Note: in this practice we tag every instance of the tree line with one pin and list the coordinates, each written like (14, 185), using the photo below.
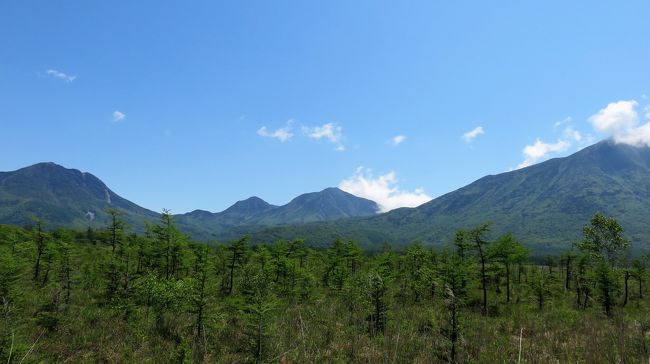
(170, 299)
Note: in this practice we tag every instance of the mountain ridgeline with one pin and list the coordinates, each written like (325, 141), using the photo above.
(69, 198)
(544, 205)
(253, 213)
(61, 197)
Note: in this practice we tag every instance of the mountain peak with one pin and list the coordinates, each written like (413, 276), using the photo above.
(60, 196)
(328, 204)
(45, 166)
(251, 205)
(334, 191)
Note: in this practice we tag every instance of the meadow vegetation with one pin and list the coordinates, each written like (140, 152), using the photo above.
(114, 296)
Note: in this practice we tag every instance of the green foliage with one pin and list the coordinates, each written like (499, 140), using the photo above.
(259, 303)
(288, 302)
(603, 238)
(604, 246)
(541, 284)
(542, 205)
(607, 284)
(507, 251)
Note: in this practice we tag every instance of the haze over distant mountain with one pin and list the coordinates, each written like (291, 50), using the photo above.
(68, 197)
(545, 205)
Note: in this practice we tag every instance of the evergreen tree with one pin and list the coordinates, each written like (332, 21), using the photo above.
(237, 252)
(507, 251)
(65, 269)
(338, 255)
(171, 244)
(476, 237)
(377, 291)
(540, 284)
(115, 228)
(639, 271)
(419, 271)
(39, 237)
(455, 271)
(200, 290)
(259, 303)
(604, 244)
(568, 260)
(10, 291)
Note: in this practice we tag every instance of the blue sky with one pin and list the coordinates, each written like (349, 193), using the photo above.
(187, 105)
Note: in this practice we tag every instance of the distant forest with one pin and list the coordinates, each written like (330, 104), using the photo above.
(111, 295)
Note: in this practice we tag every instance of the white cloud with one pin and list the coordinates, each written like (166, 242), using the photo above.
(472, 134)
(398, 139)
(539, 150)
(572, 134)
(566, 120)
(60, 75)
(621, 121)
(384, 190)
(282, 134)
(118, 116)
(330, 132)
(616, 117)
(638, 137)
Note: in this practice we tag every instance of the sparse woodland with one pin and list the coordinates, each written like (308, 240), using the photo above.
(113, 296)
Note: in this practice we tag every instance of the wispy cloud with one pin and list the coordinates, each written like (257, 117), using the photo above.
(331, 132)
(566, 120)
(60, 75)
(572, 134)
(384, 190)
(282, 134)
(472, 134)
(539, 150)
(118, 116)
(398, 139)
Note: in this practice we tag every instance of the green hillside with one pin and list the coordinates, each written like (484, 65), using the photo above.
(247, 215)
(543, 204)
(65, 197)
(62, 198)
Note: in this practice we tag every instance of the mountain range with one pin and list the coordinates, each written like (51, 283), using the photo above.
(545, 205)
(327, 205)
(68, 197)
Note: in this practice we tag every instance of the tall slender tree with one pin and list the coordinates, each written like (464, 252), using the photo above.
(455, 271)
(507, 251)
(115, 228)
(237, 250)
(172, 242)
(377, 290)
(639, 270)
(477, 238)
(39, 237)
